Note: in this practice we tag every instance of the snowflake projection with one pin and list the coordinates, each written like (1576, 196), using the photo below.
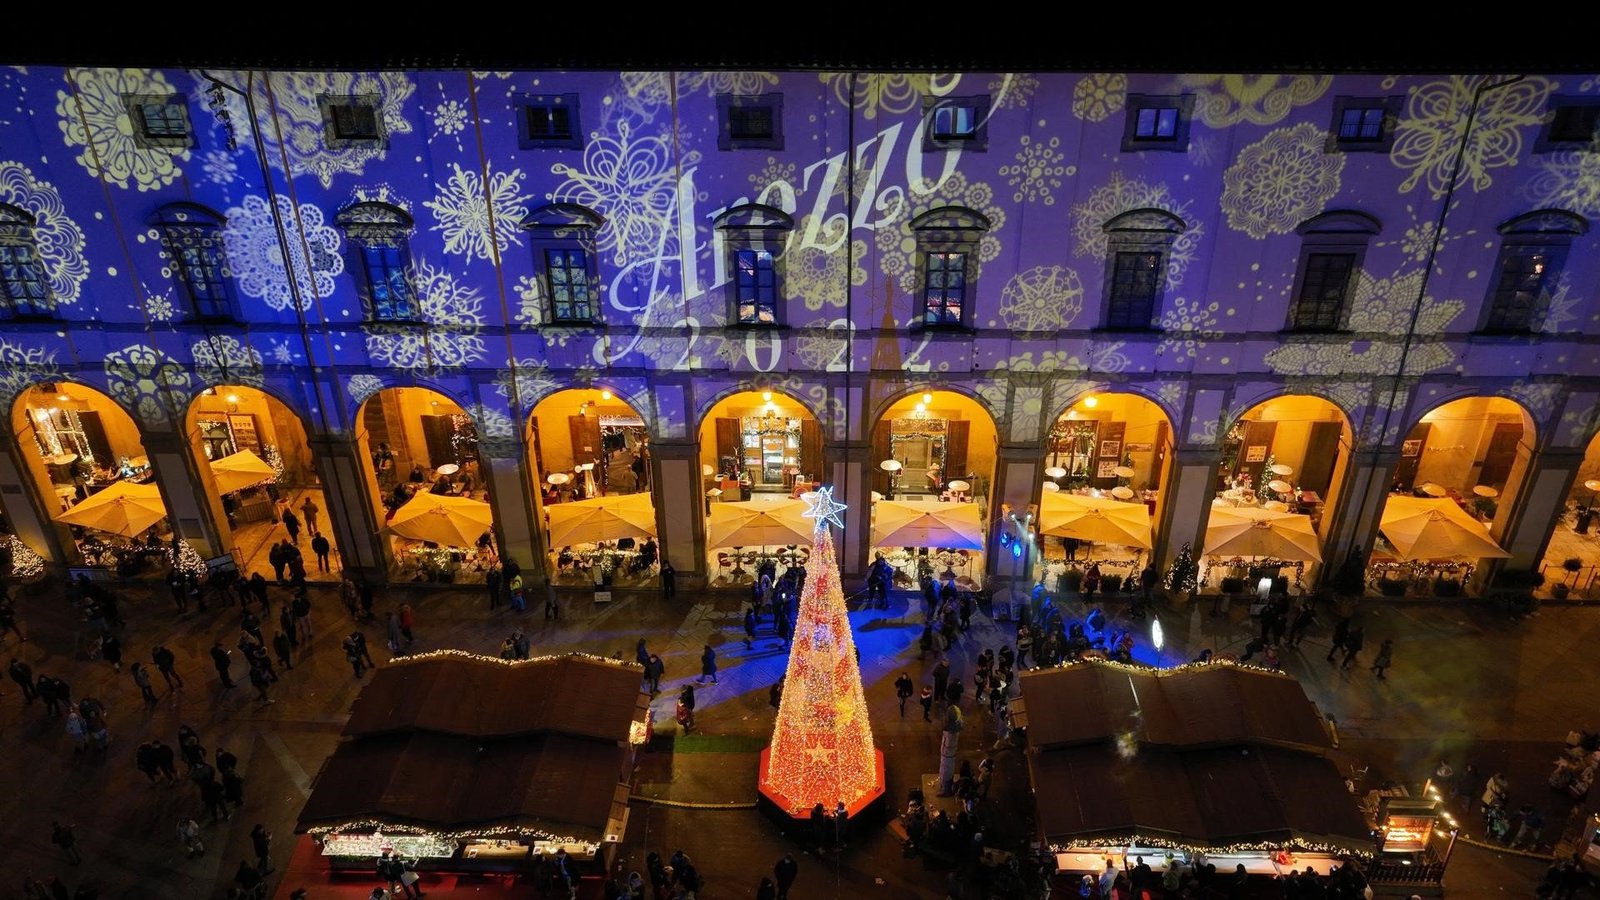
(379, 193)
(450, 117)
(21, 368)
(530, 380)
(530, 299)
(1428, 136)
(491, 423)
(95, 117)
(462, 210)
(630, 179)
(219, 167)
(255, 254)
(1170, 394)
(453, 312)
(221, 359)
(1569, 179)
(1012, 90)
(1099, 96)
(1189, 325)
(1380, 307)
(1558, 307)
(897, 243)
(1540, 397)
(1345, 394)
(147, 381)
(158, 307)
(57, 240)
(1225, 100)
(817, 275)
(819, 346)
(1210, 432)
(649, 93)
(888, 93)
(362, 387)
(1027, 409)
(298, 99)
(1120, 195)
(1038, 171)
(1580, 424)
(281, 354)
(1042, 299)
(1280, 181)
(774, 172)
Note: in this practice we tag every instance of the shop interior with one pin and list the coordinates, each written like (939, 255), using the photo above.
(1572, 558)
(590, 454)
(934, 458)
(427, 486)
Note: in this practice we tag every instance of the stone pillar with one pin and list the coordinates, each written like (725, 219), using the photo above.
(27, 510)
(1187, 508)
(357, 529)
(502, 461)
(192, 506)
(678, 491)
(1359, 506)
(852, 485)
(1530, 514)
(1018, 480)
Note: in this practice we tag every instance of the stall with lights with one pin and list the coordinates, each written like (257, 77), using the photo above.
(468, 763)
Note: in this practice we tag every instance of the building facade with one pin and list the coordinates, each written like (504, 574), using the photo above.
(1374, 280)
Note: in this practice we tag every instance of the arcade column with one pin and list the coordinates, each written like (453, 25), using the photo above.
(1537, 505)
(678, 491)
(190, 506)
(1359, 507)
(29, 513)
(502, 460)
(1187, 510)
(1018, 477)
(851, 477)
(357, 530)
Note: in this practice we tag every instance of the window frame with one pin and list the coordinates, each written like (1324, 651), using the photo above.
(334, 138)
(727, 103)
(1550, 231)
(208, 227)
(567, 228)
(976, 142)
(1390, 105)
(946, 230)
(527, 140)
(754, 227)
(1137, 103)
(17, 231)
(1546, 142)
(142, 137)
(1138, 232)
(1335, 233)
(373, 227)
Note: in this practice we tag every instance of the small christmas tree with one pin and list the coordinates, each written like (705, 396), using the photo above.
(1262, 491)
(1182, 574)
(822, 749)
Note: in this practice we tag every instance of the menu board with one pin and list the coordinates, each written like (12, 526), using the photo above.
(243, 426)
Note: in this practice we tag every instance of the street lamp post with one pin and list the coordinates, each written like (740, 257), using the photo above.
(1158, 637)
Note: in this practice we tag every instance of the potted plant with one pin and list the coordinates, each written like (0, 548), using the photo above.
(1393, 587)
(1446, 587)
(1232, 586)
(1111, 583)
(1072, 579)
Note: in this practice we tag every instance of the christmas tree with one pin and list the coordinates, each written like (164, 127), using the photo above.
(1181, 577)
(822, 750)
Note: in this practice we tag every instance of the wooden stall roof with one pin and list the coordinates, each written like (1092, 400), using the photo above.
(484, 697)
(1201, 706)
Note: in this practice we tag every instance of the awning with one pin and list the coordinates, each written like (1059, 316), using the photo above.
(601, 519)
(926, 523)
(1098, 520)
(1435, 528)
(239, 471)
(759, 523)
(1250, 531)
(123, 508)
(442, 519)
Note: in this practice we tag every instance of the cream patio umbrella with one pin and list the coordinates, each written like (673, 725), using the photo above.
(1257, 532)
(1435, 528)
(926, 523)
(756, 523)
(1097, 520)
(601, 519)
(123, 508)
(238, 471)
(442, 519)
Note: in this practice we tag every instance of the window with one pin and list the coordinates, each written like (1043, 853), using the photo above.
(192, 236)
(754, 236)
(351, 121)
(1138, 244)
(23, 280)
(1571, 124)
(955, 123)
(1332, 249)
(1363, 124)
(1157, 122)
(160, 120)
(549, 121)
(379, 234)
(1532, 258)
(563, 239)
(947, 242)
(753, 122)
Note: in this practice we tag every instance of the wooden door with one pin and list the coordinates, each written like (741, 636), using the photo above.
(729, 445)
(880, 452)
(585, 431)
(94, 432)
(1405, 474)
(1322, 454)
(1256, 434)
(1502, 452)
(1108, 449)
(437, 432)
(955, 449)
(811, 461)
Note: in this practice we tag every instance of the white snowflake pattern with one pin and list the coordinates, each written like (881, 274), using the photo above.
(158, 307)
(57, 240)
(453, 312)
(1540, 397)
(255, 254)
(462, 210)
(220, 167)
(531, 379)
(1189, 325)
(491, 423)
(530, 300)
(22, 367)
(631, 180)
(221, 359)
(147, 381)
(281, 353)
(1041, 299)
(362, 387)
(450, 117)
(1120, 195)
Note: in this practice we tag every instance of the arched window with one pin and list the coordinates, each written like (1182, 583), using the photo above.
(23, 280)
(563, 239)
(1533, 255)
(192, 235)
(947, 244)
(1334, 246)
(755, 235)
(380, 234)
(1137, 244)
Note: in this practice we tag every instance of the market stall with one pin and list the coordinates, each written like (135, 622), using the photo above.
(754, 531)
(116, 528)
(600, 538)
(441, 535)
(1249, 544)
(947, 535)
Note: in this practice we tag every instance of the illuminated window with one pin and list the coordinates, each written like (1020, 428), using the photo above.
(1572, 123)
(567, 274)
(754, 236)
(159, 120)
(955, 123)
(750, 122)
(947, 240)
(549, 122)
(351, 121)
(755, 287)
(1529, 270)
(563, 240)
(1333, 247)
(1157, 122)
(944, 292)
(1138, 244)
(379, 234)
(23, 279)
(1363, 124)
(192, 237)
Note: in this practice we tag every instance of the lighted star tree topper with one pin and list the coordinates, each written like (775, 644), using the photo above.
(822, 750)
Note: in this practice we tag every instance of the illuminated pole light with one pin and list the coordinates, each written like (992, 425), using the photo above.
(1157, 637)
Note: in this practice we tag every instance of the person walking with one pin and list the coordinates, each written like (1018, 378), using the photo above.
(164, 761)
(219, 658)
(785, 871)
(111, 650)
(653, 672)
(396, 639)
(904, 688)
(259, 680)
(353, 655)
(278, 560)
(1341, 632)
(291, 523)
(926, 700)
(749, 627)
(166, 664)
(22, 674)
(65, 837)
(941, 678)
(669, 581)
(408, 620)
(1352, 645)
(142, 678)
(1384, 658)
(189, 837)
(283, 648)
(309, 510)
(233, 787)
(708, 666)
(491, 583)
(686, 704)
(301, 607)
(321, 547)
(261, 840)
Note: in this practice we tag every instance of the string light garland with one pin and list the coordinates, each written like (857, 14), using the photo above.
(380, 828)
(1142, 669)
(822, 749)
(1120, 844)
(825, 510)
(184, 558)
(24, 562)
(463, 654)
